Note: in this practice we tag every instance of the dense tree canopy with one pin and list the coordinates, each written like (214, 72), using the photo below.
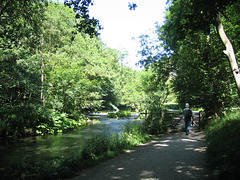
(54, 68)
(55, 71)
(194, 16)
(85, 24)
(192, 56)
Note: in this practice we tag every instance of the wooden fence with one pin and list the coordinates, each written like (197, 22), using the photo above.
(170, 119)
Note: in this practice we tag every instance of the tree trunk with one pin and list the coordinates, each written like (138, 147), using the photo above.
(229, 52)
(42, 79)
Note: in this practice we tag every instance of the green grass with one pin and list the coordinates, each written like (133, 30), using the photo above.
(223, 146)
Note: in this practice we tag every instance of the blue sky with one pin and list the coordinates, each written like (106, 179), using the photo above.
(122, 26)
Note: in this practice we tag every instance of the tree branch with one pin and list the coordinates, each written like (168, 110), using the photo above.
(229, 51)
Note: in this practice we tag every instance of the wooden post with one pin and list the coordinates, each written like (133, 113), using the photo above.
(151, 117)
(145, 118)
(200, 122)
(162, 116)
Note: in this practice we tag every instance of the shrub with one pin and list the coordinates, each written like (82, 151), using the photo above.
(20, 120)
(120, 114)
(112, 115)
(60, 122)
(223, 146)
(123, 113)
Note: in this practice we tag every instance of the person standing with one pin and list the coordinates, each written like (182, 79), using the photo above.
(188, 117)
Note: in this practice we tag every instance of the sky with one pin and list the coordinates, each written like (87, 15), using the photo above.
(122, 26)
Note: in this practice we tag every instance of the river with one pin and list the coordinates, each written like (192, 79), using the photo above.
(56, 145)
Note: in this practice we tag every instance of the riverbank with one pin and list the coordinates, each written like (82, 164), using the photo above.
(174, 156)
(59, 156)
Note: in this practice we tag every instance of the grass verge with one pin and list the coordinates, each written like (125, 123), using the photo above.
(223, 147)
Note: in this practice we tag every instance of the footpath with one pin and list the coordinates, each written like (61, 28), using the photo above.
(171, 157)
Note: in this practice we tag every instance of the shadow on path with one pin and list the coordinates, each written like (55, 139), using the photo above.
(174, 156)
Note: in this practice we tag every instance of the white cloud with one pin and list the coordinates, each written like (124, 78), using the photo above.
(121, 25)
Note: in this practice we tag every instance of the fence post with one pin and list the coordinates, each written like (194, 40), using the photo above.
(200, 121)
(145, 119)
(151, 117)
(162, 116)
(162, 119)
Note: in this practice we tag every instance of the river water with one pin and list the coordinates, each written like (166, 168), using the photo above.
(56, 145)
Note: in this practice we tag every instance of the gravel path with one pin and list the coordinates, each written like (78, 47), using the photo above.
(171, 157)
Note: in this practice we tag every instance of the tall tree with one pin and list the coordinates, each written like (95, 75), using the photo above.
(85, 24)
(199, 15)
(19, 36)
(20, 21)
(194, 50)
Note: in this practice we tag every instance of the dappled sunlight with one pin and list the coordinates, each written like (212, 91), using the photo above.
(146, 173)
(129, 151)
(161, 145)
(202, 149)
(120, 169)
(116, 177)
(165, 141)
(189, 140)
(189, 171)
(173, 156)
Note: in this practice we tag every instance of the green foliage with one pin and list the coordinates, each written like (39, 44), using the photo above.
(155, 92)
(60, 122)
(43, 63)
(120, 114)
(112, 115)
(85, 24)
(131, 89)
(155, 125)
(123, 113)
(20, 23)
(193, 55)
(134, 134)
(223, 144)
(174, 106)
(101, 147)
(19, 81)
(18, 121)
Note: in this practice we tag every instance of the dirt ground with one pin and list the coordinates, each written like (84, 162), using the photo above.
(171, 157)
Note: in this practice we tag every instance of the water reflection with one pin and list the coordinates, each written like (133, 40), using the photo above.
(56, 145)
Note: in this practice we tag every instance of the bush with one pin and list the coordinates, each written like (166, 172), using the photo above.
(120, 114)
(123, 113)
(60, 123)
(112, 115)
(20, 120)
(223, 146)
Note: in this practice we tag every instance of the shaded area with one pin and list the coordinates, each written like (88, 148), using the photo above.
(60, 145)
(170, 157)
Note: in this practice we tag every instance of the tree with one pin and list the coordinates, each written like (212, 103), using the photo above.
(199, 15)
(85, 24)
(19, 36)
(19, 74)
(20, 21)
(201, 76)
